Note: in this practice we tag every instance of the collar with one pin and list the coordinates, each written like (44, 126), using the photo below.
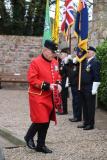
(89, 59)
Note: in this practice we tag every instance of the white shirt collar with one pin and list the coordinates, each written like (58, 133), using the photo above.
(89, 59)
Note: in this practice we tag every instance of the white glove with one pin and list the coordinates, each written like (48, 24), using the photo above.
(95, 87)
(69, 57)
(74, 60)
(65, 60)
(67, 83)
(59, 88)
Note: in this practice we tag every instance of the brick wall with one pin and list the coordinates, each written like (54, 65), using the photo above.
(16, 52)
(99, 24)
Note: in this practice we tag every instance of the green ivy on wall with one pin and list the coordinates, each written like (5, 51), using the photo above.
(102, 56)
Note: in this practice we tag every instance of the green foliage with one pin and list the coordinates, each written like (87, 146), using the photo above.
(102, 56)
(39, 18)
(22, 17)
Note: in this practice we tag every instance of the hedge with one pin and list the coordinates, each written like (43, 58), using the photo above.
(102, 56)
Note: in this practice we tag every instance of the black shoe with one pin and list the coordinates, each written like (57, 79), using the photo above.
(81, 126)
(74, 120)
(43, 149)
(88, 127)
(30, 143)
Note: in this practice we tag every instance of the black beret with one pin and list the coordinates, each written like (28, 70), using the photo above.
(51, 45)
(91, 48)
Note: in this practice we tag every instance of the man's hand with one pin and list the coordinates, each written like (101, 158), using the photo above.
(59, 88)
(52, 85)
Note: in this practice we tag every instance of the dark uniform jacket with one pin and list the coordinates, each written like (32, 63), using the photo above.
(63, 69)
(73, 73)
(90, 73)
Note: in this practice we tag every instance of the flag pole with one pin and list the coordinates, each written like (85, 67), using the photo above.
(70, 39)
(79, 80)
(80, 66)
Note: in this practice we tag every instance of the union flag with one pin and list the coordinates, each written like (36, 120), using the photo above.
(68, 17)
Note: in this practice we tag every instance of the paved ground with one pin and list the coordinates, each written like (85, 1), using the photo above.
(66, 140)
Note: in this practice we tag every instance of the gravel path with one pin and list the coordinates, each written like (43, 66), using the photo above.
(65, 139)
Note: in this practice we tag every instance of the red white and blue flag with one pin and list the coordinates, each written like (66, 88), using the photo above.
(81, 30)
(68, 17)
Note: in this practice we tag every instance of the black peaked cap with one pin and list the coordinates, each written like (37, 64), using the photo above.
(91, 48)
(51, 45)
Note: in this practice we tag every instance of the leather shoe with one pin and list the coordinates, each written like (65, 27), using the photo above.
(74, 120)
(81, 126)
(88, 127)
(43, 149)
(30, 143)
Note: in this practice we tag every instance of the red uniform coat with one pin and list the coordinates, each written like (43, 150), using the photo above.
(41, 106)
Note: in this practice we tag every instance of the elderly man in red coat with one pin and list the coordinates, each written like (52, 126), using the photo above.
(43, 76)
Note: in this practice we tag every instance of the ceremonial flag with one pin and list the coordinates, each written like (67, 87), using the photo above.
(55, 28)
(47, 26)
(81, 30)
(68, 17)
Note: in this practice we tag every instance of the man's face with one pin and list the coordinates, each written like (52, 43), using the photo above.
(63, 55)
(48, 54)
(90, 54)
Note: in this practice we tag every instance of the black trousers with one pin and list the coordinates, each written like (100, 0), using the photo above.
(64, 94)
(87, 100)
(77, 108)
(41, 129)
